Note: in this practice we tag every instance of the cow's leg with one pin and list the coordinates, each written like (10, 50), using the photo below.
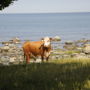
(34, 59)
(47, 58)
(27, 58)
(42, 58)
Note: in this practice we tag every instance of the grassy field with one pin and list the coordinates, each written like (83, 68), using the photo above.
(65, 74)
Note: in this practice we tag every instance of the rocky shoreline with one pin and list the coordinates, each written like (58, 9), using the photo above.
(11, 51)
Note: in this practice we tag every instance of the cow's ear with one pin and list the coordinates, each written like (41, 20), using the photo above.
(51, 39)
(42, 39)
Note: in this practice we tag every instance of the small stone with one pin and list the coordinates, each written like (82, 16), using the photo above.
(5, 48)
(5, 43)
(86, 49)
(15, 40)
(12, 59)
(57, 38)
(5, 60)
(74, 55)
(69, 42)
(66, 56)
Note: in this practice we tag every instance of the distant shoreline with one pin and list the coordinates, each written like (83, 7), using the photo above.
(48, 13)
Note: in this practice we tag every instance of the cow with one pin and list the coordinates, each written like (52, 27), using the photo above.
(37, 48)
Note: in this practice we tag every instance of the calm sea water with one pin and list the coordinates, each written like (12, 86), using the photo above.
(69, 26)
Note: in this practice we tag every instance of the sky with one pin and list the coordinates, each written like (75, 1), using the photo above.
(48, 6)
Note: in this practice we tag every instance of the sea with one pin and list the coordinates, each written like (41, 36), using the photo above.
(34, 26)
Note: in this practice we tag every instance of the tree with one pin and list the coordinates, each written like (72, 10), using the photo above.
(5, 3)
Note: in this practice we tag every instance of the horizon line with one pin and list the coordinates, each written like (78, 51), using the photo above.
(45, 12)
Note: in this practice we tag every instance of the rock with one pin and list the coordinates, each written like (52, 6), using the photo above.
(79, 49)
(38, 60)
(5, 43)
(79, 56)
(5, 48)
(11, 53)
(0, 50)
(21, 58)
(66, 56)
(56, 38)
(69, 42)
(12, 45)
(15, 40)
(69, 47)
(88, 56)
(55, 57)
(56, 53)
(5, 60)
(86, 49)
(84, 41)
(12, 59)
(74, 55)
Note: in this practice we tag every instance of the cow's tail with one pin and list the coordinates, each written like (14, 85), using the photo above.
(24, 56)
(24, 53)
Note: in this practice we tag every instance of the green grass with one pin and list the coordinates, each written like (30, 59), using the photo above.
(65, 74)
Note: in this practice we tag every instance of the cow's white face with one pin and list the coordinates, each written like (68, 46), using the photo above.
(46, 41)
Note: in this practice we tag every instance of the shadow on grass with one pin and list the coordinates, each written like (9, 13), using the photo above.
(45, 76)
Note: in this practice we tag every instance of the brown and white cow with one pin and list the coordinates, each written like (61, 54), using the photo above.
(37, 48)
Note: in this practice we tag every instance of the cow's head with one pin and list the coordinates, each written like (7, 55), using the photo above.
(47, 41)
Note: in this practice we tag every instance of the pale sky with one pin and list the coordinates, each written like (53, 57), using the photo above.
(47, 6)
